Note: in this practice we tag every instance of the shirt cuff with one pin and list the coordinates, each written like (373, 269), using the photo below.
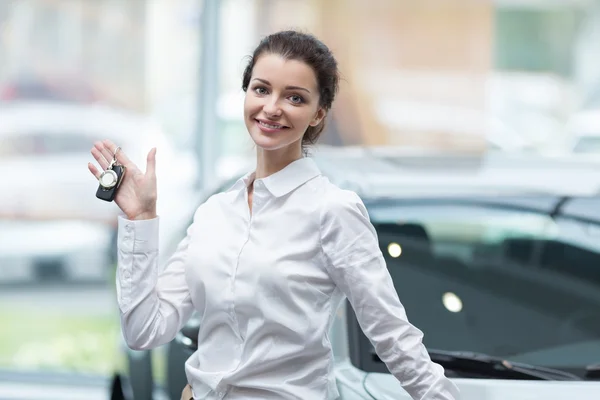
(138, 236)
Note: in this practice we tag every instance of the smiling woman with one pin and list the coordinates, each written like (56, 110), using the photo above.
(267, 262)
(290, 84)
(278, 115)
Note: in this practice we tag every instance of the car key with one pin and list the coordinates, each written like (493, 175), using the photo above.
(110, 180)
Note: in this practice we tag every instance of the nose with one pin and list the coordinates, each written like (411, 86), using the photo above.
(271, 107)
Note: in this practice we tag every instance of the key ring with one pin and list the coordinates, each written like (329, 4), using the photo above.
(114, 160)
(108, 178)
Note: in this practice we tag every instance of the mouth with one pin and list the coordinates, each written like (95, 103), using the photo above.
(269, 125)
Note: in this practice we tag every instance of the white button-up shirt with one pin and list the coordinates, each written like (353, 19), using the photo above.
(266, 285)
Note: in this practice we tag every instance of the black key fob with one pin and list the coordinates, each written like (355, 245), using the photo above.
(109, 182)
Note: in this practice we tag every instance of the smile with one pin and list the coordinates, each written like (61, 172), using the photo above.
(270, 125)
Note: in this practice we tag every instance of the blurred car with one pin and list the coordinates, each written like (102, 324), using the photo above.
(584, 129)
(65, 250)
(60, 88)
(494, 262)
(48, 190)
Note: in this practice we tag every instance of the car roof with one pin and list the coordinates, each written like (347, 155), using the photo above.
(390, 176)
(57, 118)
(394, 172)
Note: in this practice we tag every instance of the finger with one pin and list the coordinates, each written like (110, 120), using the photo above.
(151, 162)
(106, 153)
(94, 170)
(121, 156)
(99, 157)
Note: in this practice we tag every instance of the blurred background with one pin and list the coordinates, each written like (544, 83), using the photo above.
(464, 77)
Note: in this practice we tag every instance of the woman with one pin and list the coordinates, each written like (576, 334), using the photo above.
(267, 263)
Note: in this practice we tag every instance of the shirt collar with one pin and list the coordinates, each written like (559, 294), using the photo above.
(289, 178)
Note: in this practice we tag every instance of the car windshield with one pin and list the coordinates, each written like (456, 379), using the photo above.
(497, 278)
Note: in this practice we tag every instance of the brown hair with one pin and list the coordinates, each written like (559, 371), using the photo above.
(293, 45)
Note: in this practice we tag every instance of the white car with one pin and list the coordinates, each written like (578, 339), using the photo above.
(65, 250)
(48, 209)
(584, 129)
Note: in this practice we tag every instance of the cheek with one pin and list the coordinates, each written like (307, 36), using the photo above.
(302, 117)
(251, 106)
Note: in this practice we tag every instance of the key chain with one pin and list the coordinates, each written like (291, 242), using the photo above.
(110, 179)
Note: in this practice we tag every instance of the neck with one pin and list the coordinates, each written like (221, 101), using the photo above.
(269, 162)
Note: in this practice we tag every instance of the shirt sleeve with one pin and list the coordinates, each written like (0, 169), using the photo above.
(356, 264)
(153, 306)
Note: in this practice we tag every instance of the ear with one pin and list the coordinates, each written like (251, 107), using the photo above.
(321, 113)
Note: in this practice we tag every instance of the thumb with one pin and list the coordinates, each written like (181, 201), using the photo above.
(151, 163)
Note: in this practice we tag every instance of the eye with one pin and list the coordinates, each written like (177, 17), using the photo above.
(260, 90)
(296, 99)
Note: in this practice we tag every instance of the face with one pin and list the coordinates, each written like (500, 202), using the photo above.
(282, 101)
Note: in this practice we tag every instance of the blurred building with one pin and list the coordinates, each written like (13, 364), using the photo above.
(460, 74)
(414, 72)
(75, 46)
(444, 74)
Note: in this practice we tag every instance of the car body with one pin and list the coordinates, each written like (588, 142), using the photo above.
(496, 264)
(45, 147)
(57, 88)
(54, 250)
(584, 130)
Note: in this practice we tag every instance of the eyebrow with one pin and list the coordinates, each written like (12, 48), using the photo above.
(287, 87)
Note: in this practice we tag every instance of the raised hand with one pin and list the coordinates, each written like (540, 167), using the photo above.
(137, 194)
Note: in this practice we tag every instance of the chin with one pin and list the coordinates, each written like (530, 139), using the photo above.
(269, 144)
(272, 142)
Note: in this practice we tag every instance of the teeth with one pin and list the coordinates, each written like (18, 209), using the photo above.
(269, 126)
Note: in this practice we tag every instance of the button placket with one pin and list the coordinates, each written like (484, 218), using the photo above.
(220, 392)
(234, 277)
(258, 193)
